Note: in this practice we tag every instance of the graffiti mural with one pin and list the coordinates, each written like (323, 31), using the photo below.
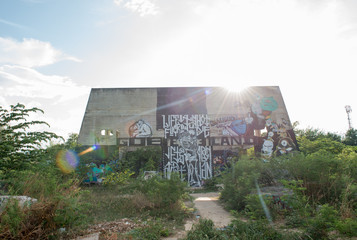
(191, 124)
(234, 126)
(95, 174)
(279, 139)
(185, 155)
(140, 129)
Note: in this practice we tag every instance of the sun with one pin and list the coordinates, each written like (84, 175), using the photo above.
(235, 87)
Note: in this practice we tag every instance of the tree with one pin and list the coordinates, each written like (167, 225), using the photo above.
(19, 145)
(351, 137)
(313, 134)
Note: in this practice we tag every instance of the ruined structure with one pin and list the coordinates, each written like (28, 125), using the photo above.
(198, 128)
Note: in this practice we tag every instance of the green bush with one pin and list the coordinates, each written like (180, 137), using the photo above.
(204, 230)
(239, 230)
(239, 182)
(347, 227)
(142, 159)
(255, 209)
(253, 230)
(117, 178)
(162, 192)
(58, 206)
(12, 218)
(323, 222)
(153, 231)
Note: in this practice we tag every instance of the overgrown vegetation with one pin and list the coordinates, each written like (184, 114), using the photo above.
(312, 191)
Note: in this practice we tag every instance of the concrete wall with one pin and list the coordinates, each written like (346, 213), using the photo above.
(196, 127)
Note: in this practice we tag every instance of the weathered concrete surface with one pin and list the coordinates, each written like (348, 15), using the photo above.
(208, 208)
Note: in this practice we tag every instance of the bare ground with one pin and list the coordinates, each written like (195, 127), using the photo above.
(208, 207)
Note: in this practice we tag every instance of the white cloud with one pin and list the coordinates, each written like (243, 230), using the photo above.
(30, 53)
(142, 7)
(25, 82)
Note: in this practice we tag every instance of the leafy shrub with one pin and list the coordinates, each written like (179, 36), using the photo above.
(204, 230)
(323, 222)
(12, 218)
(153, 231)
(162, 192)
(20, 147)
(211, 184)
(58, 206)
(117, 178)
(255, 209)
(347, 227)
(142, 159)
(252, 230)
(239, 182)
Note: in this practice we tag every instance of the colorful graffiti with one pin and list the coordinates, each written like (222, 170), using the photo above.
(95, 174)
(279, 139)
(140, 129)
(188, 158)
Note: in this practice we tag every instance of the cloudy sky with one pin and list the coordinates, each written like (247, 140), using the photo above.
(53, 51)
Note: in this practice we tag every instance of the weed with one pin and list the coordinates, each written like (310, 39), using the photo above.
(204, 230)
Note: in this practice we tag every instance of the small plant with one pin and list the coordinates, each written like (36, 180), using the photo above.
(324, 221)
(239, 182)
(153, 231)
(11, 218)
(211, 184)
(347, 227)
(204, 230)
(254, 207)
(117, 178)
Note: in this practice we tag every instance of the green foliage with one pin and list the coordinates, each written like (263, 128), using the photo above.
(153, 231)
(323, 222)
(117, 178)
(211, 184)
(19, 146)
(347, 227)
(322, 176)
(12, 217)
(142, 159)
(204, 230)
(58, 206)
(239, 182)
(239, 230)
(351, 137)
(308, 146)
(254, 207)
(313, 134)
(253, 230)
(162, 192)
(155, 197)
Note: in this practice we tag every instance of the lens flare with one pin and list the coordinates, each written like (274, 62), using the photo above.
(67, 161)
(92, 148)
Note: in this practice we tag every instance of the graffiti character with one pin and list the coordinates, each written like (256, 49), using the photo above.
(268, 104)
(285, 146)
(188, 140)
(267, 148)
(140, 129)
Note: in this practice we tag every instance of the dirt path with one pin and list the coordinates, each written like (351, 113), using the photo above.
(207, 208)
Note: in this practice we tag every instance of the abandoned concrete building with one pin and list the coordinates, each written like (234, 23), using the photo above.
(197, 128)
